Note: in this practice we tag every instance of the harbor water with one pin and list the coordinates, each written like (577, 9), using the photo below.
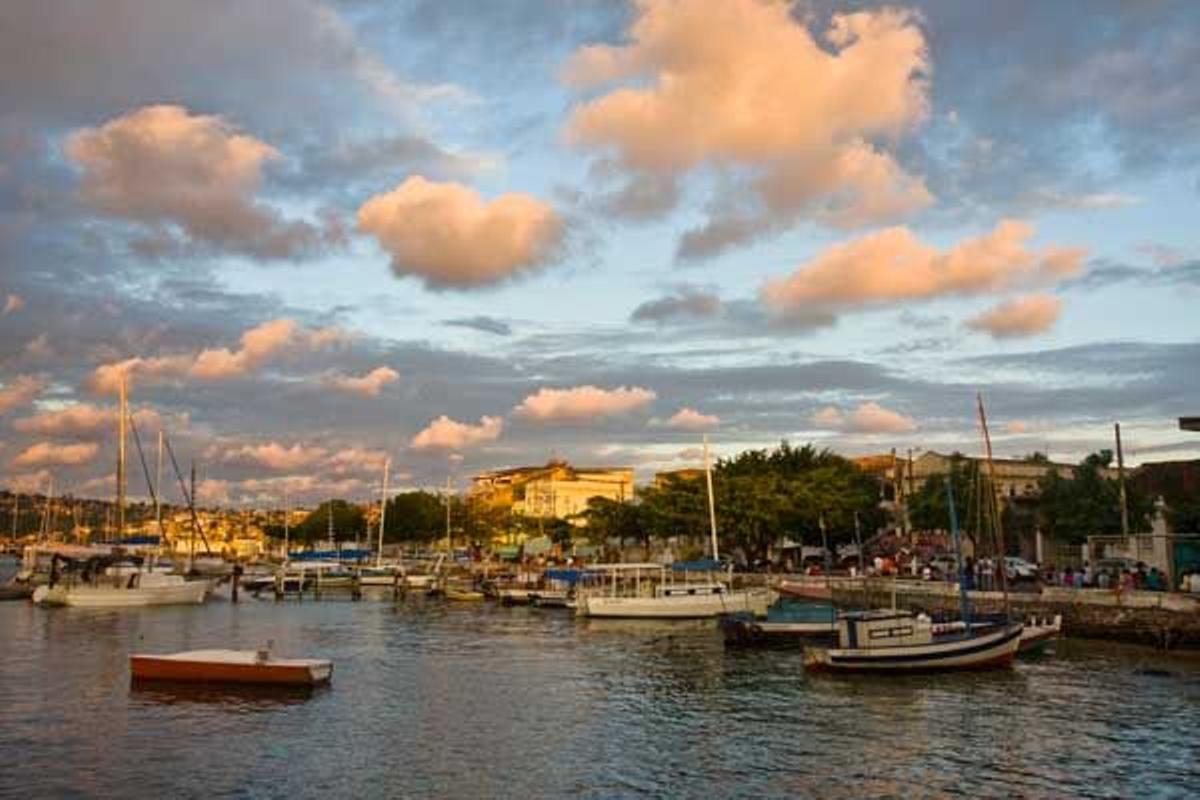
(474, 700)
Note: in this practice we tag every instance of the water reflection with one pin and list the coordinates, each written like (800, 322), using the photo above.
(231, 696)
(477, 701)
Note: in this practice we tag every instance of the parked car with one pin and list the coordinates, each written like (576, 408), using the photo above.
(944, 566)
(1018, 569)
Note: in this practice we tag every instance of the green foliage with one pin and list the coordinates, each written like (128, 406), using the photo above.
(415, 516)
(761, 497)
(929, 507)
(348, 523)
(1088, 504)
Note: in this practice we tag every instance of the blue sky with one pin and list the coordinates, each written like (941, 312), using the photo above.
(558, 225)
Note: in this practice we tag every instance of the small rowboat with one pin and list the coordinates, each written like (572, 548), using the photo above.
(804, 591)
(230, 666)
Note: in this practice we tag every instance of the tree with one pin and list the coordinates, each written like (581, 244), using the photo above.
(349, 522)
(1088, 503)
(415, 516)
(929, 507)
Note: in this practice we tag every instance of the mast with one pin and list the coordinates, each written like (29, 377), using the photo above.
(45, 532)
(387, 462)
(286, 531)
(993, 504)
(1121, 482)
(712, 508)
(158, 492)
(964, 602)
(16, 513)
(448, 541)
(329, 525)
(121, 414)
(192, 545)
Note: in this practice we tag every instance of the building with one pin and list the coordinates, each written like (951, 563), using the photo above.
(554, 491)
(663, 478)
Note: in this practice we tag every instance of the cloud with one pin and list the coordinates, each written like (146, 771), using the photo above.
(369, 385)
(12, 304)
(444, 433)
(19, 391)
(164, 166)
(1023, 316)
(582, 403)
(447, 235)
(1017, 427)
(687, 303)
(273, 455)
(867, 418)
(482, 323)
(82, 419)
(29, 482)
(45, 454)
(893, 266)
(260, 345)
(689, 419)
(357, 460)
(744, 87)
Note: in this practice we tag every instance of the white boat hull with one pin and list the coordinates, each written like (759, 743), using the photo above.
(675, 606)
(185, 593)
(994, 648)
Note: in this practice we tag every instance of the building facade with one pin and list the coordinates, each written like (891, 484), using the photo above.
(554, 491)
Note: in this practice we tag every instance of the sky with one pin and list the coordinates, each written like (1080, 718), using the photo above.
(311, 237)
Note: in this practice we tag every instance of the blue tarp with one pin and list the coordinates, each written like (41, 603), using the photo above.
(571, 576)
(349, 554)
(704, 565)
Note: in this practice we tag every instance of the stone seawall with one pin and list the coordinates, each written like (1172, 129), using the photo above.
(1160, 619)
(1164, 620)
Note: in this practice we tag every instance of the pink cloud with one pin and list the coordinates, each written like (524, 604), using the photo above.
(45, 454)
(261, 345)
(448, 236)
(369, 385)
(29, 482)
(82, 419)
(689, 419)
(39, 347)
(444, 433)
(745, 84)
(356, 459)
(164, 165)
(12, 304)
(582, 403)
(869, 417)
(19, 391)
(273, 455)
(1024, 316)
(893, 266)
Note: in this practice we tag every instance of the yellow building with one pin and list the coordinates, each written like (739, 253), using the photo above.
(554, 491)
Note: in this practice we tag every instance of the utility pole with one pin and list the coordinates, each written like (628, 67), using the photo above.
(1121, 483)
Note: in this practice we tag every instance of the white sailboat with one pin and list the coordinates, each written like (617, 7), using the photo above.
(116, 581)
(631, 592)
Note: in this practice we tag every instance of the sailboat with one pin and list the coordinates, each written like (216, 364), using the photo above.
(116, 580)
(667, 597)
(898, 641)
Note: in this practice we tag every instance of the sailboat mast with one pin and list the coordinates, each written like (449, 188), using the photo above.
(286, 530)
(16, 514)
(158, 491)
(993, 504)
(448, 540)
(712, 508)
(121, 421)
(387, 462)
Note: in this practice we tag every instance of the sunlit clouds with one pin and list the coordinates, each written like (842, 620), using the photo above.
(368, 385)
(582, 403)
(449, 236)
(19, 391)
(444, 433)
(46, 454)
(744, 85)
(868, 418)
(1023, 316)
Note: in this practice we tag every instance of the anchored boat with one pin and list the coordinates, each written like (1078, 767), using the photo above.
(230, 666)
(115, 582)
(898, 641)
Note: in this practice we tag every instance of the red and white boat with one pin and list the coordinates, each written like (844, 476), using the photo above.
(230, 666)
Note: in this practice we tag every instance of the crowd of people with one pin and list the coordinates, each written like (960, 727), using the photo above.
(1139, 578)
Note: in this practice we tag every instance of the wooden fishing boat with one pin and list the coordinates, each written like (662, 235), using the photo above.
(898, 641)
(230, 666)
(1037, 633)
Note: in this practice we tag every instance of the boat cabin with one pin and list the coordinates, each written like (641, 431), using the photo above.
(882, 628)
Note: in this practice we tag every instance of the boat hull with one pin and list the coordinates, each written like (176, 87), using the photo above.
(992, 649)
(229, 667)
(675, 607)
(804, 591)
(186, 593)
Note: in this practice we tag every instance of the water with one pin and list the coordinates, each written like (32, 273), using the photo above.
(431, 699)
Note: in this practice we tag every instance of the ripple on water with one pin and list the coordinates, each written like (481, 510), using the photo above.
(480, 701)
